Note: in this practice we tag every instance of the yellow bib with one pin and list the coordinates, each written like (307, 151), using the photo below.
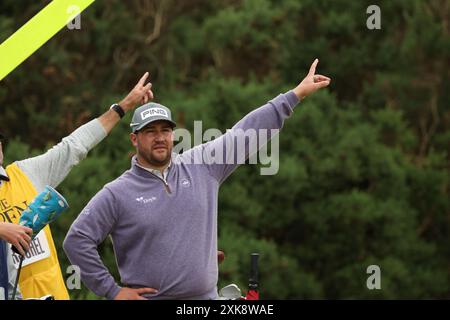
(41, 277)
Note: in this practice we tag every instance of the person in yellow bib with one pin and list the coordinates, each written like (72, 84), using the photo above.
(22, 180)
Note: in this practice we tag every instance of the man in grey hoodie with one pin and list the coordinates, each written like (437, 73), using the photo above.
(162, 212)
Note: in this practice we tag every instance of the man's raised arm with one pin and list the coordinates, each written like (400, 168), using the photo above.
(227, 152)
(53, 166)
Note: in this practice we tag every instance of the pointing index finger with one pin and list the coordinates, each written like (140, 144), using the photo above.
(312, 69)
(143, 78)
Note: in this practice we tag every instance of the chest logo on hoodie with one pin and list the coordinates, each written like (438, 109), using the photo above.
(142, 200)
(185, 183)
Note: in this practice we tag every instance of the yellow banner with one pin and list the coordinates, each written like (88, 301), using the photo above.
(36, 32)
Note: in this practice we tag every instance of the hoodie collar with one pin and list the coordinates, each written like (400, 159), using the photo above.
(135, 166)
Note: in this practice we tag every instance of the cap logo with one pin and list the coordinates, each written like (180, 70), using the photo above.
(154, 112)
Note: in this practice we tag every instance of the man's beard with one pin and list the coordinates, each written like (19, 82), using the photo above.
(150, 159)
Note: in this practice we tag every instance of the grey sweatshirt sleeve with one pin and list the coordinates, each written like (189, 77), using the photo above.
(91, 227)
(245, 138)
(53, 166)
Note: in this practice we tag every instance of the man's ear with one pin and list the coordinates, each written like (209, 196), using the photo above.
(133, 138)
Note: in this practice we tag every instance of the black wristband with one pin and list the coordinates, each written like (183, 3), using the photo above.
(117, 108)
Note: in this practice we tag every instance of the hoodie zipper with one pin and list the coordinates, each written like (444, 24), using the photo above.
(166, 185)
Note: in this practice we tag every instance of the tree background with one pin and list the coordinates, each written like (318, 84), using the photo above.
(364, 165)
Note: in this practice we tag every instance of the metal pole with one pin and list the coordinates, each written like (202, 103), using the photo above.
(17, 278)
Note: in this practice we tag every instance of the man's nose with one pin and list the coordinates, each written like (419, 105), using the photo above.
(159, 136)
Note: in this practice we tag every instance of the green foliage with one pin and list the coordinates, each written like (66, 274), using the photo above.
(363, 168)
